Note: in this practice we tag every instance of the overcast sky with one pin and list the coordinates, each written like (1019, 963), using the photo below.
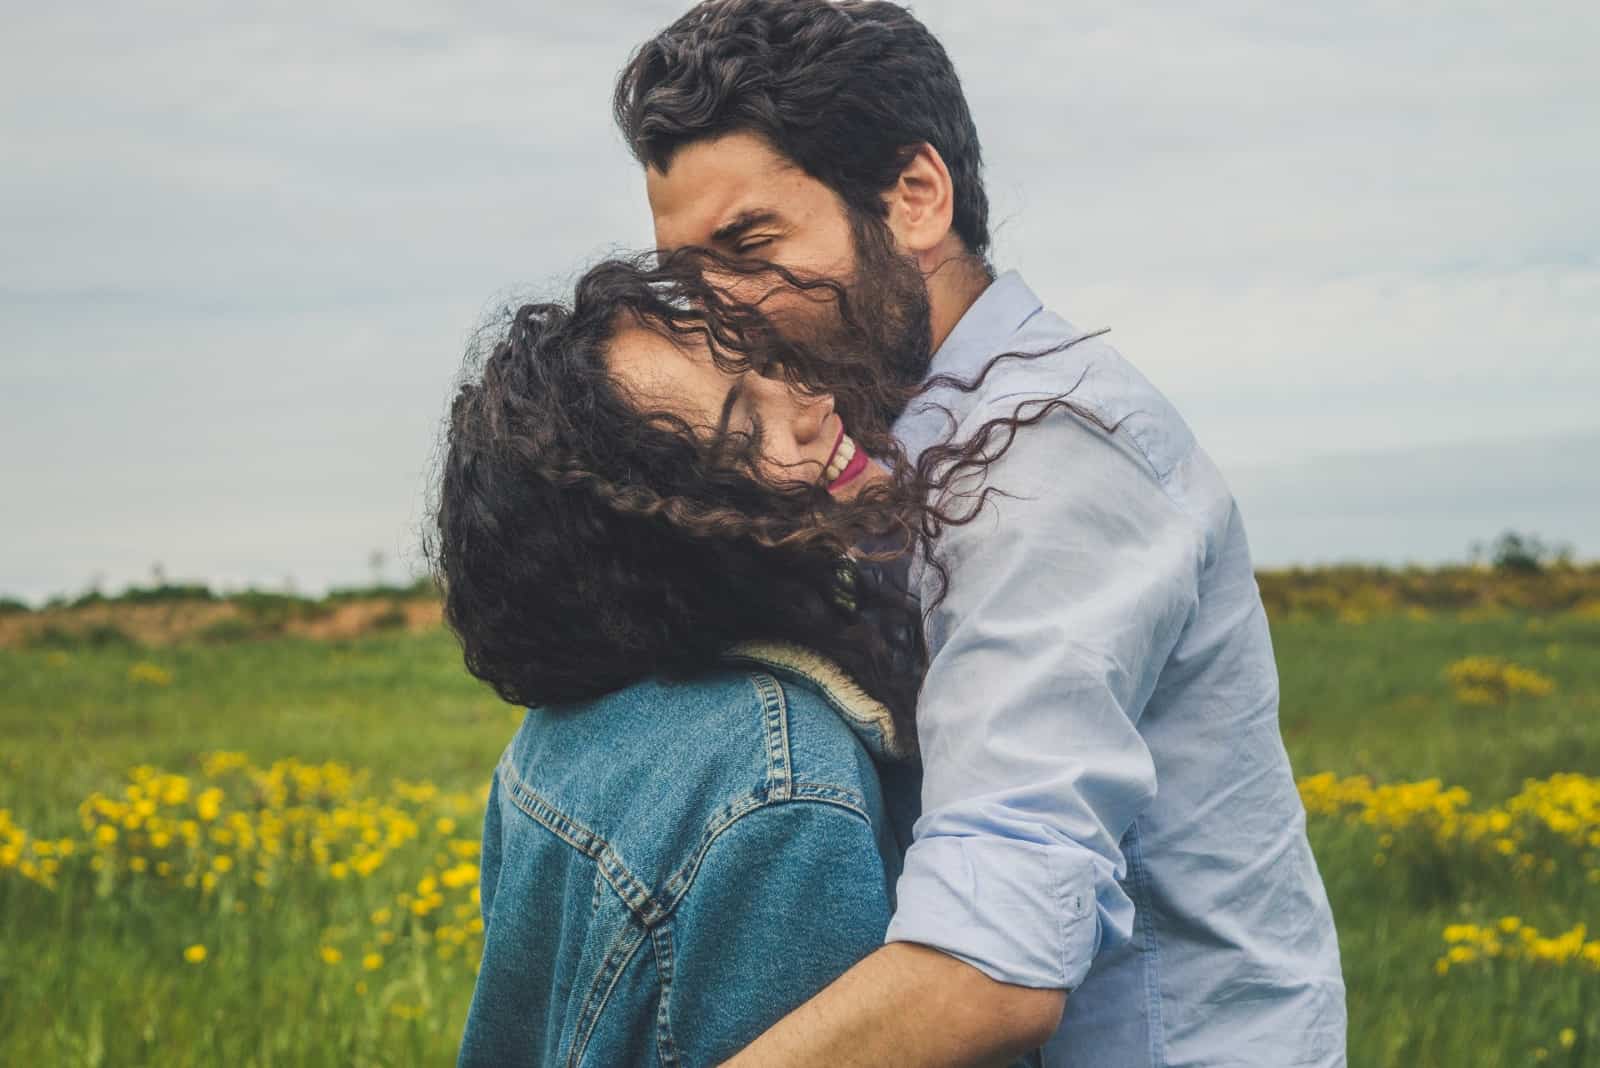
(243, 253)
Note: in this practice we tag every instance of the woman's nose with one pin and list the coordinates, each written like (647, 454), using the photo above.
(811, 415)
(806, 414)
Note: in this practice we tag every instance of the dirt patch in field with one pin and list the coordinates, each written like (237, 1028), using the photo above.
(221, 620)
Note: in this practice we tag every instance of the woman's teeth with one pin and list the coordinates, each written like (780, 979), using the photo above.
(841, 459)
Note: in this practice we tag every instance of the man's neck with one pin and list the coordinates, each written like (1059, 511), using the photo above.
(953, 287)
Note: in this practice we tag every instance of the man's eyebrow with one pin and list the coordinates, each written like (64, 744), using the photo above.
(743, 223)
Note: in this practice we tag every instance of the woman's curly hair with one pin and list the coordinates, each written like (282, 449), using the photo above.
(583, 543)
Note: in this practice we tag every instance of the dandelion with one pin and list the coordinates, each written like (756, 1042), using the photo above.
(1492, 680)
(1568, 1037)
(461, 875)
(372, 961)
(331, 955)
(147, 674)
(208, 806)
(195, 954)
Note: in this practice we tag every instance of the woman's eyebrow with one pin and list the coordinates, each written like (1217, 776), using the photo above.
(735, 391)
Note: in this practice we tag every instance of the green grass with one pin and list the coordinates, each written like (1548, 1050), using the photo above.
(1370, 699)
(90, 979)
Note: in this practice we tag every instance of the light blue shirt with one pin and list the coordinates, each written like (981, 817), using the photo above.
(1108, 808)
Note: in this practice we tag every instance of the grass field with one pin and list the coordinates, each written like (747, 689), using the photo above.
(307, 896)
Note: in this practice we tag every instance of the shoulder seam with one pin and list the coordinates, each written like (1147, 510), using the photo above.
(628, 887)
(801, 793)
(1161, 479)
(804, 794)
(780, 788)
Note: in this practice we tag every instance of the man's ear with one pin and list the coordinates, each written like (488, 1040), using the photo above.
(921, 206)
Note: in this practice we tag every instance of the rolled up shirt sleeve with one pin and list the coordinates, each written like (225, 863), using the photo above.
(1066, 596)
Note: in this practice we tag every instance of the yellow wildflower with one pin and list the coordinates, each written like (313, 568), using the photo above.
(149, 674)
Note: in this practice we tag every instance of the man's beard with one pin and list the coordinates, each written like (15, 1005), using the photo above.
(890, 295)
(877, 342)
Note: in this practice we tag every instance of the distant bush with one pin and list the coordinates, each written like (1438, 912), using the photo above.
(10, 606)
(1355, 593)
(1523, 553)
(226, 631)
(392, 618)
(96, 636)
(422, 587)
(274, 611)
(164, 593)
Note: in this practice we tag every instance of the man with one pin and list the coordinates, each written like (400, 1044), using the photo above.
(1111, 861)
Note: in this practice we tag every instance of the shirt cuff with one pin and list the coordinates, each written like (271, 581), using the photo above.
(1020, 912)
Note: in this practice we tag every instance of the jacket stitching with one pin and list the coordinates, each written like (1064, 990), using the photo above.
(611, 969)
(633, 893)
(617, 958)
(649, 913)
(661, 938)
(867, 717)
(680, 881)
(775, 718)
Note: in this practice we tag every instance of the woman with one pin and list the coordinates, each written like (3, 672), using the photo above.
(657, 531)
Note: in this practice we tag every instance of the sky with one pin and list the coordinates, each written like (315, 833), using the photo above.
(1357, 244)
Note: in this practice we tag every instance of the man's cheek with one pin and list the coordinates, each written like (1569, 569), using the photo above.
(808, 315)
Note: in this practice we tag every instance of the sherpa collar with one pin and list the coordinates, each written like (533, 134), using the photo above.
(868, 717)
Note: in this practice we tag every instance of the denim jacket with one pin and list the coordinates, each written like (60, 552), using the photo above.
(669, 870)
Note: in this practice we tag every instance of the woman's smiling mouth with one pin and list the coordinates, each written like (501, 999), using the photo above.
(846, 463)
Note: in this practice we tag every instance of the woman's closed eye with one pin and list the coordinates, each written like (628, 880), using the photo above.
(739, 428)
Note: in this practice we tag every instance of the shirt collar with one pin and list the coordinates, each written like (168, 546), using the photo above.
(980, 334)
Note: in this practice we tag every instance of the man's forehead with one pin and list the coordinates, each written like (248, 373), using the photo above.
(709, 185)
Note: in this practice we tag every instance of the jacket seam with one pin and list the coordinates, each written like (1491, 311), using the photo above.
(808, 793)
(781, 788)
(633, 893)
(775, 723)
(661, 941)
(611, 969)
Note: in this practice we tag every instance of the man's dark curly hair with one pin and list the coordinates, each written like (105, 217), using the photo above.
(846, 89)
(583, 542)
